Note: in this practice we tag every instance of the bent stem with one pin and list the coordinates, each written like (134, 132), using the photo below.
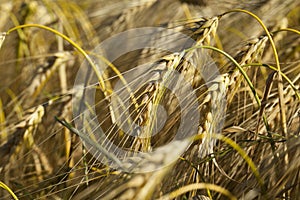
(237, 65)
(243, 73)
(242, 153)
(90, 61)
(280, 84)
(198, 186)
(105, 90)
(5, 187)
(288, 30)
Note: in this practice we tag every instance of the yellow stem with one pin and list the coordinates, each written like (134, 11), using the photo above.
(70, 41)
(280, 84)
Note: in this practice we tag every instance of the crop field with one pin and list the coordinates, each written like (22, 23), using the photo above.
(149, 99)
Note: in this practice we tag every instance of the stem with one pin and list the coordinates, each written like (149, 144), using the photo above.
(288, 30)
(280, 84)
(5, 187)
(240, 151)
(237, 65)
(70, 41)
